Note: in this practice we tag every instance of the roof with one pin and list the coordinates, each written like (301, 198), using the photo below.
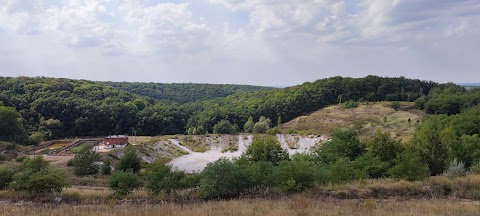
(118, 136)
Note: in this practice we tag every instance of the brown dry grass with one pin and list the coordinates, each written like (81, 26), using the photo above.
(296, 205)
(364, 118)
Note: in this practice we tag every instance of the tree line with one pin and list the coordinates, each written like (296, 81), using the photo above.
(48, 108)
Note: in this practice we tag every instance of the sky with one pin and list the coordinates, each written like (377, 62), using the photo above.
(258, 42)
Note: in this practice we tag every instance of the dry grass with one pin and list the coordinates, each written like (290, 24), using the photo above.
(297, 205)
(364, 118)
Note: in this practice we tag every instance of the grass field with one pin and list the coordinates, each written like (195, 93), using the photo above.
(364, 118)
(296, 205)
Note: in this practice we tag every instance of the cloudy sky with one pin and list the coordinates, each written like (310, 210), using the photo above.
(262, 42)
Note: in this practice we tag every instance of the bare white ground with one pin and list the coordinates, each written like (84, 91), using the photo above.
(197, 161)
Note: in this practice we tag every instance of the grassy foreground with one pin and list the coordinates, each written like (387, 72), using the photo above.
(296, 205)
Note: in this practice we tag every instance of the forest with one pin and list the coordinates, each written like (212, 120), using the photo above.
(40, 108)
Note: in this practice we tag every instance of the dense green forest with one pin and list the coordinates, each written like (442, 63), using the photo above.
(183, 92)
(55, 108)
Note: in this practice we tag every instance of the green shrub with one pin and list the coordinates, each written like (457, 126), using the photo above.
(129, 161)
(409, 166)
(341, 171)
(344, 143)
(20, 159)
(160, 177)
(84, 161)
(36, 164)
(475, 168)
(46, 180)
(3, 157)
(266, 148)
(70, 163)
(420, 102)
(349, 104)
(294, 176)
(106, 169)
(223, 179)
(123, 183)
(370, 166)
(6, 177)
(225, 127)
(262, 125)
(395, 105)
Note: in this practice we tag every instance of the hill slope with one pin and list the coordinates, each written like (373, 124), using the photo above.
(364, 118)
(183, 92)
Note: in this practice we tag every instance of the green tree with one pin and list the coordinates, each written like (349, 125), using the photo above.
(36, 175)
(384, 147)
(248, 127)
(6, 177)
(223, 179)
(84, 162)
(262, 125)
(160, 177)
(296, 175)
(130, 161)
(123, 183)
(11, 128)
(370, 166)
(344, 143)
(409, 166)
(106, 169)
(266, 148)
(224, 127)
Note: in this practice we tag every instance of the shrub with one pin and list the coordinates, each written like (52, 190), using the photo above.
(455, 169)
(420, 102)
(475, 169)
(294, 175)
(36, 164)
(84, 161)
(123, 183)
(129, 161)
(70, 163)
(384, 147)
(395, 105)
(262, 125)
(6, 177)
(266, 148)
(3, 157)
(344, 143)
(409, 166)
(223, 179)
(160, 177)
(248, 127)
(341, 171)
(225, 127)
(370, 166)
(349, 104)
(46, 180)
(106, 169)
(20, 159)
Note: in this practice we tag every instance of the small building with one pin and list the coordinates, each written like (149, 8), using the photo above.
(115, 141)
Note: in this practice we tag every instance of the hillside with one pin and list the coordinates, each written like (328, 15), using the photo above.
(183, 92)
(365, 118)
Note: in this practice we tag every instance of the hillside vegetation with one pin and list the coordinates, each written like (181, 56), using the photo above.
(366, 119)
(183, 92)
(49, 108)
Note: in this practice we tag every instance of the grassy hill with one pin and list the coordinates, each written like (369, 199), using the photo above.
(364, 118)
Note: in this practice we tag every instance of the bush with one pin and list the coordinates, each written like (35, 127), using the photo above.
(223, 179)
(341, 171)
(160, 177)
(370, 166)
(395, 105)
(384, 147)
(455, 169)
(225, 127)
(123, 183)
(106, 169)
(36, 164)
(409, 166)
(129, 161)
(266, 148)
(420, 102)
(262, 125)
(344, 143)
(475, 169)
(294, 176)
(70, 163)
(349, 104)
(3, 157)
(46, 180)
(6, 177)
(84, 161)
(20, 159)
